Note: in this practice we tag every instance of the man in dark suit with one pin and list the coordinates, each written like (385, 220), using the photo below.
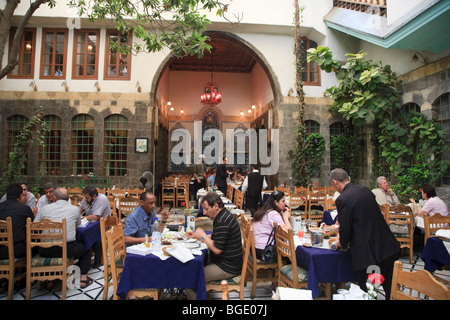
(362, 228)
(253, 184)
(19, 213)
(221, 176)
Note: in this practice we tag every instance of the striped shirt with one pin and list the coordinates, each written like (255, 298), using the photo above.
(227, 237)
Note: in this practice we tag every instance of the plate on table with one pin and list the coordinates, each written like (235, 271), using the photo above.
(307, 245)
(192, 245)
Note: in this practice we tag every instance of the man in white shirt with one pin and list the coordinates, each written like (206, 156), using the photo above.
(253, 183)
(49, 197)
(384, 194)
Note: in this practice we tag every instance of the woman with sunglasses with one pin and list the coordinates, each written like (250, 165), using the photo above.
(273, 210)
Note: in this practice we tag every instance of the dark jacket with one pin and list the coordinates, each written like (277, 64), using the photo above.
(363, 228)
(19, 213)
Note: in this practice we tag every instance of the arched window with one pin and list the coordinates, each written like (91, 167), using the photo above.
(82, 155)
(312, 127)
(441, 108)
(115, 146)
(50, 154)
(14, 124)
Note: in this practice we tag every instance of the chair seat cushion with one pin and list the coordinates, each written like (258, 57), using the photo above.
(5, 262)
(302, 273)
(39, 261)
(316, 212)
(231, 281)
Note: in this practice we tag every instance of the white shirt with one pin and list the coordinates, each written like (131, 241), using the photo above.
(245, 183)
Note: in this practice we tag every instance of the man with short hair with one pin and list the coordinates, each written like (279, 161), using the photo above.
(58, 210)
(224, 244)
(254, 183)
(363, 228)
(94, 205)
(384, 193)
(19, 212)
(48, 198)
(29, 199)
(221, 176)
(139, 222)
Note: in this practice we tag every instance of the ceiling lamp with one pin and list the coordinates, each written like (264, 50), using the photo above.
(212, 96)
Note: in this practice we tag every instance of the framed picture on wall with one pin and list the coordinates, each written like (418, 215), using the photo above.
(141, 145)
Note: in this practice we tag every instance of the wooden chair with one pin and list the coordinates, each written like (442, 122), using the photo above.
(75, 191)
(384, 208)
(168, 193)
(420, 285)
(76, 199)
(225, 292)
(117, 253)
(117, 192)
(434, 223)
(289, 275)
(400, 217)
(316, 205)
(330, 190)
(180, 192)
(8, 266)
(230, 190)
(256, 269)
(127, 205)
(105, 225)
(239, 199)
(285, 190)
(299, 203)
(329, 204)
(113, 205)
(101, 190)
(236, 283)
(136, 192)
(45, 234)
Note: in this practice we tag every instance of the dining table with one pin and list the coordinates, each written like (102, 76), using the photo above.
(324, 265)
(89, 234)
(152, 271)
(435, 254)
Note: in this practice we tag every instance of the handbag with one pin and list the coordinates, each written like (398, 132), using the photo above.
(269, 254)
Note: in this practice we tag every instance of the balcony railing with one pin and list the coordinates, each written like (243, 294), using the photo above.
(376, 7)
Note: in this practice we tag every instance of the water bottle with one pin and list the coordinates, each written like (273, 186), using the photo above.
(156, 236)
(186, 222)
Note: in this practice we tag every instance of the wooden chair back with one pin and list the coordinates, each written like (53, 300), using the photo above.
(46, 233)
(330, 190)
(299, 203)
(135, 192)
(316, 205)
(113, 205)
(329, 204)
(398, 217)
(257, 270)
(420, 285)
(168, 193)
(8, 266)
(117, 252)
(434, 223)
(285, 190)
(106, 224)
(117, 192)
(239, 199)
(230, 190)
(180, 194)
(286, 248)
(75, 191)
(101, 190)
(76, 199)
(127, 205)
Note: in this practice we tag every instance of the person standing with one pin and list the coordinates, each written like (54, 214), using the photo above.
(254, 183)
(221, 176)
(364, 230)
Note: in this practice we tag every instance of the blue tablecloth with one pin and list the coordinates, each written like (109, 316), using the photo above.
(151, 272)
(325, 266)
(89, 234)
(328, 219)
(435, 255)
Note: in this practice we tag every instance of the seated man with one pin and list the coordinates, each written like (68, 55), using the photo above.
(224, 244)
(139, 221)
(19, 212)
(56, 211)
(433, 205)
(49, 189)
(28, 198)
(94, 205)
(384, 194)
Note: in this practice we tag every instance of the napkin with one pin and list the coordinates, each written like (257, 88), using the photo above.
(356, 293)
(140, 249)
(84, 222)
(333, 214)
(292, 294)
(180, 252)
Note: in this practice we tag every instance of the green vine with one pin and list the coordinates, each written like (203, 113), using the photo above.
(36, 128)
(368, 96)
(314, 154)
(297, 151)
